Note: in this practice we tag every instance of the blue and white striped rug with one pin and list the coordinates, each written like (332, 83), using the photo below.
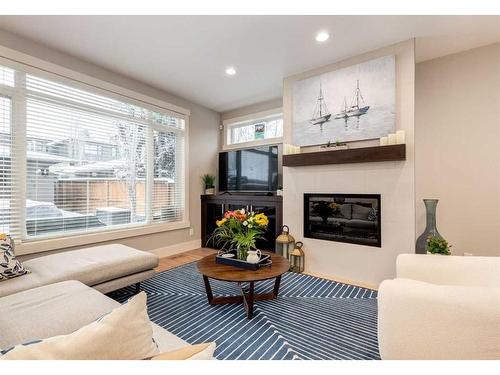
(312, 318)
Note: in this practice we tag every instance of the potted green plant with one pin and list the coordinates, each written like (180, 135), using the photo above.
(437, 245)
(209, 181)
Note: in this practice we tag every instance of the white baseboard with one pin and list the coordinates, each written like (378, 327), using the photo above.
(177, 248)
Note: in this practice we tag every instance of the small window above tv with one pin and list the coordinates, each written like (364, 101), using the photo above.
(253, 130)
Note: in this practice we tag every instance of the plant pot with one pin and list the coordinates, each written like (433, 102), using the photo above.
(279, 192)
(209, 191)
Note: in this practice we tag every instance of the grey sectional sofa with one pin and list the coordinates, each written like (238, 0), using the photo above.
(64, 292)
(60, 309)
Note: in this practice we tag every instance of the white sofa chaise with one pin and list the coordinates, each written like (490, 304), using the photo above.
(105, 268)
(60, 309)
(441, 307)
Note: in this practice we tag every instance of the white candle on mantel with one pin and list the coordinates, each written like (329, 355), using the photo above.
(383, 141)
(391, 139)
(400, 137)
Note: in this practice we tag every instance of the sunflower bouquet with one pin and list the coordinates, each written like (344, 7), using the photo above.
(240, 229)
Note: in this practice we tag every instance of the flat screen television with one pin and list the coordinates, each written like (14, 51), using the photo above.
(249, 170)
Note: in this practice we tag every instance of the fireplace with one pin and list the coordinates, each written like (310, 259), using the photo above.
(351, 218)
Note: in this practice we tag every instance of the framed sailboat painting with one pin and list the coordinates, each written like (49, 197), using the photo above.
(349, 104)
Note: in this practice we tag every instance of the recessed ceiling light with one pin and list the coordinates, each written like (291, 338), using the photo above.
(322, 36)
(230, 71)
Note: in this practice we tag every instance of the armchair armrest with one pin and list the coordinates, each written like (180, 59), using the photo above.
(450, 270)
(417, 320)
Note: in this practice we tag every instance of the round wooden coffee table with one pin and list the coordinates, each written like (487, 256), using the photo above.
(211, 270)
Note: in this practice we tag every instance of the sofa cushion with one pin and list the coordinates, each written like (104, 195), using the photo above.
(346, 210)
(91, 266)
(9, 265)
(191, 352)
(361, 224)
(59, 309)
(360, 212)
(166, 340)
(125, 333)
(51, 310)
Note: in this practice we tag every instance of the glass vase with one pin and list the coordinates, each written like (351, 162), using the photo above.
(242, 252)
(430, 227)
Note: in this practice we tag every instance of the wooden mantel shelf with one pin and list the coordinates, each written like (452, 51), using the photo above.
(353, 155)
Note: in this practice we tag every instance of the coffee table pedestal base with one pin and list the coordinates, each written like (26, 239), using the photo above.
(247, 297)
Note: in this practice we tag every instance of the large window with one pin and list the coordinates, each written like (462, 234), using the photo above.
(75, 159)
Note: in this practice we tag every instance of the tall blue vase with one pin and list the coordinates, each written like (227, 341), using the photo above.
(430, 227)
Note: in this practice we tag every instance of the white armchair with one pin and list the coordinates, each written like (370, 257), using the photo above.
(441, 307)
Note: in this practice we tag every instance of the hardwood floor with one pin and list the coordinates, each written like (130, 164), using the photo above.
(177, 260)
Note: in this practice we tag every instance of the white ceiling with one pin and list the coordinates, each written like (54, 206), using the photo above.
(187, 55)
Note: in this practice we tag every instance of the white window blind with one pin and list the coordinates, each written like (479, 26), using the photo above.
(92, 161)
(6, 142)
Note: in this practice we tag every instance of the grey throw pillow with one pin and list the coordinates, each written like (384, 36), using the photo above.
(9, 266)
(360, 212)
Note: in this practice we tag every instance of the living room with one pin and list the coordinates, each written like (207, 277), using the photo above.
(247, 186)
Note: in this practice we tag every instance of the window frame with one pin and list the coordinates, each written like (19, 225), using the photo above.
(228, 124)
(31, 65)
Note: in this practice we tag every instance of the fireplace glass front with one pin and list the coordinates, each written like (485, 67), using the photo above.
(352, 218)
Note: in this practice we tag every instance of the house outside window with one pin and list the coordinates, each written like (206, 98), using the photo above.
(75, 159)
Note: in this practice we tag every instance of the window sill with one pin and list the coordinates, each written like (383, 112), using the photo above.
(55, 243)
(260, 142)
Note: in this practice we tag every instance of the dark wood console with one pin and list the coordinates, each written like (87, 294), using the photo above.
(214, 206)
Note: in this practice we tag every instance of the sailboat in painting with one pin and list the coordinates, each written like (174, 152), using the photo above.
(354, 109)
(343, 111)
(321, 114)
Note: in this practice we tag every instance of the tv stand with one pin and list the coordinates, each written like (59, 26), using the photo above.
(268, 194)
(213, 208)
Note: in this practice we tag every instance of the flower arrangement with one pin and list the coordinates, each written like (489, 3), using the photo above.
(325, 209)
(437, 245)
(240, 229)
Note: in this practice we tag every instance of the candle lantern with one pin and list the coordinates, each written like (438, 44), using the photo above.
(284, 242)
(296, 258)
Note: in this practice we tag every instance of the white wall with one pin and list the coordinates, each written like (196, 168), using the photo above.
(203, 137)
(458, 147)
(254, 108)
(393, 180)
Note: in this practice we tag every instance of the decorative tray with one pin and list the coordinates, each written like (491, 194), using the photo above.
(265, 260)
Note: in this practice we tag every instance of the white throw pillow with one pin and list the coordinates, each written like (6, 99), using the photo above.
(124, 333)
